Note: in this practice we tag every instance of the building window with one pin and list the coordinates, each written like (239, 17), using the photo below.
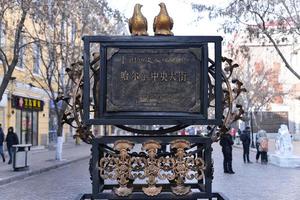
(21, 62)
(36, 59)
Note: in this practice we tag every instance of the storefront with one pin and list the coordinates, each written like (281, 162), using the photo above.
(3, 104)
(27, 118)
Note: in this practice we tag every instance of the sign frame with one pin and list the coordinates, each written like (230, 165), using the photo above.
(150, 118)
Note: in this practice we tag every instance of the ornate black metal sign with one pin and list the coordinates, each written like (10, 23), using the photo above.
(152, 80)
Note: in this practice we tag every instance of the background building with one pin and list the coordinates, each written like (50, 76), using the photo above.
(39, 40)
(273, 91)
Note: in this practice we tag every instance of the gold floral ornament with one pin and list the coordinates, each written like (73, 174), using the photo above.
(118, 167)
(181, 168)
(123, 167)
(152, 167)
(176, 168)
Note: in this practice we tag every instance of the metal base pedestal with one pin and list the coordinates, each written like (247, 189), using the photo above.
(163, 195)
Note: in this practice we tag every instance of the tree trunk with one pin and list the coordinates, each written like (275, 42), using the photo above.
(59, 143)
(16, 51)
(6, 79)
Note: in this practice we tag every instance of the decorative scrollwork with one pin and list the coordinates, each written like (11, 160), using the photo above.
(177, 167)
(181, 168)
(152, 167)
(118, 167)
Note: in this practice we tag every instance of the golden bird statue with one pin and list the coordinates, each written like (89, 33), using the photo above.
(138, 23)
(163, 23)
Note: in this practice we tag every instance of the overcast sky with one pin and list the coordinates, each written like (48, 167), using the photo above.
(180, 10)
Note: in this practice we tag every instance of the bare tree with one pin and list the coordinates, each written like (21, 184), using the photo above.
(9, 56)
(258, 77)
(274, 21)
(56, 30)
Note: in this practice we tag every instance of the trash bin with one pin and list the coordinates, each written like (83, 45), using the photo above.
(21, 156)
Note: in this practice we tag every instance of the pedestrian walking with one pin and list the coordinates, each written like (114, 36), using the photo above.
(245, 138)
(263, 146)
(11, 139)
(257, 147)
(226, 142)
(1, 143)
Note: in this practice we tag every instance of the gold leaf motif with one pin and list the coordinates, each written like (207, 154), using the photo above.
(126, 168)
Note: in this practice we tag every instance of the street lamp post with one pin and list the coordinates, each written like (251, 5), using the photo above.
(251, 123)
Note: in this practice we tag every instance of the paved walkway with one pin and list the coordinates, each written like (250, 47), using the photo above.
(256, 181)
(44, 160)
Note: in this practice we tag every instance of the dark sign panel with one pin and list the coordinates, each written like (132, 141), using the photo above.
(25, 103)
(154, 80)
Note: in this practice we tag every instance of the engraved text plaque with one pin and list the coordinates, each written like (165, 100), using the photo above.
(154, 80)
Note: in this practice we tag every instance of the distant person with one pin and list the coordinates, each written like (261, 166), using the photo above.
(263, 146)
(163, 148)
(11, 139)
(239, 131)
(183, 132)
(238, 135)
(257, 147)
(245, 138)
(1, 143)
(192, 131)
(209, 131)
(233, 133)
(226, 142)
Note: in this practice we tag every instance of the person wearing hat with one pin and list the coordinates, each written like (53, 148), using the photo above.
(226, 142)
(245, 138)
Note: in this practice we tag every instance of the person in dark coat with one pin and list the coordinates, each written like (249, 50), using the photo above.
(226, 142)
(1, 143)
(11, 139)
(245, 138)
(257, 147)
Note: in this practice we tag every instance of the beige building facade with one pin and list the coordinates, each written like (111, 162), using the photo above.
(26, 109)
(281, 82)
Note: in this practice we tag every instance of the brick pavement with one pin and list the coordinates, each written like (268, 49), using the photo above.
(44, 160)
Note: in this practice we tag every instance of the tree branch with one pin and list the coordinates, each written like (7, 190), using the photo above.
(4, 60)
(17, 38)
(287, 65)
(296, 24)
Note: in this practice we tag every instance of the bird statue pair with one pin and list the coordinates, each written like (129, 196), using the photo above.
(162, 24)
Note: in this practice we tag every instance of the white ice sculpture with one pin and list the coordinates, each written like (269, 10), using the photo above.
(283, 143)
(283, 156)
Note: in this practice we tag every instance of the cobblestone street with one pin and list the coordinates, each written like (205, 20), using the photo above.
(251, 181)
